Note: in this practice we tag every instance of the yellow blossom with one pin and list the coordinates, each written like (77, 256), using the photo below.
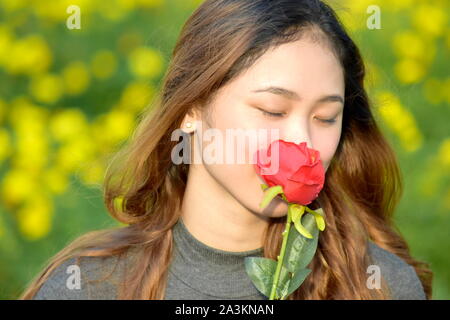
(2, 110)
(26, 117)
(55, 180)
(68, 124)
(104, 64)
(35, 217)
(407, 44)
(5, 144)
(113, 127)
(17, 185)
(400, 120)
(136, 96)
(30, 55)
(76, 78)
(114, 10)
(409, 70)
(444, 153)
(429, 19)
(71, 155)
(146, 62)
(92, 172)
(6, 41)
(32, 152)
(46, 88)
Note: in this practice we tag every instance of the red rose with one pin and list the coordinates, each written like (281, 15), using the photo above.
(300, 171)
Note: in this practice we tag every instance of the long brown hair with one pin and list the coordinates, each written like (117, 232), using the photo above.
(363, 182)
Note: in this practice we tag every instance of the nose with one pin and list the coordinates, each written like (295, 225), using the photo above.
(297, 131)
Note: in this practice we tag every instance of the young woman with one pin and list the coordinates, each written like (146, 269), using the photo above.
(252, 64)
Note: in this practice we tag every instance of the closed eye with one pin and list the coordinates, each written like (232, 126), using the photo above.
(271, 114)
(327, 120)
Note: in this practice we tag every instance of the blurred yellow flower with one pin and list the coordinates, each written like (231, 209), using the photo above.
(409, 70)
(114, 10)
(29, 55)
(444, 154)
(6, 41)
(68, 124)
(11, 6)
(408, 44)
(400, 120)
(32, 152)
(104, 64)
(46, 88)
(26, 117)
(55, 180)
(113, 127)
(429, 19)
(5, 144)
(76, 78)
(73, 154)
(92, 172)
(136, 96)
(145, 62)
(35, 217)
(2, 110)
(29, 123)
(17, 185)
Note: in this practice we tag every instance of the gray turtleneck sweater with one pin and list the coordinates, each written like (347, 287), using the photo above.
(200, 272)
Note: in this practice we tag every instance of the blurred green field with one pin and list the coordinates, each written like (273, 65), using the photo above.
(70, 97)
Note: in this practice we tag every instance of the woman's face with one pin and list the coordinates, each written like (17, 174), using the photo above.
(293, 88)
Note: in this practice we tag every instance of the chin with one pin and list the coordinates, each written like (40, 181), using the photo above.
(277, 208)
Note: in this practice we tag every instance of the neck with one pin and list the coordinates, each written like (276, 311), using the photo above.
(213, 216)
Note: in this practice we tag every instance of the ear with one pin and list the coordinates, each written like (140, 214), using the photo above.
(188, 124)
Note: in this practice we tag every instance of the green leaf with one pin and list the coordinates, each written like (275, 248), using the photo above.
(297, 280)
(261, 272)
(283, 283)
(269, 194)
(301, 250)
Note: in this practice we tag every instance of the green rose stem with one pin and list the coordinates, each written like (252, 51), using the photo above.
(294, 214)
(281, 256)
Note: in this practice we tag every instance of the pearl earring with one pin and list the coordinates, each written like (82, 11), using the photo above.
(188, 124)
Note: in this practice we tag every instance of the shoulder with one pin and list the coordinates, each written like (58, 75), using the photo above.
(401, 277)
(84, 278)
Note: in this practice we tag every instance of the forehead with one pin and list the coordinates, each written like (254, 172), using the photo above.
(307, 66)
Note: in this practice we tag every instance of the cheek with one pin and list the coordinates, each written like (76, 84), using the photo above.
(327, 146)
(242, 182)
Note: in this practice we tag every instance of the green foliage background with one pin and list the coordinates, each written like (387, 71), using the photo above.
(70, 97)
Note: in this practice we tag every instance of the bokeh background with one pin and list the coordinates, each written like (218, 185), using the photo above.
(70, 97)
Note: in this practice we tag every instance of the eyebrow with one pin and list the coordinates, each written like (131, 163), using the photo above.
(289, 94)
